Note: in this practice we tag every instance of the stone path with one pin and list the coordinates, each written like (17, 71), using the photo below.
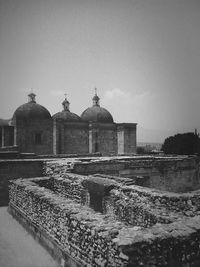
(18, 248)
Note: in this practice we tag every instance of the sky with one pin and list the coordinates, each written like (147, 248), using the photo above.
(143, 56)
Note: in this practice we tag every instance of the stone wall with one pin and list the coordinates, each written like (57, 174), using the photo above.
(126, 137)
(25, 136)
(95, 239)
(107, 141)
(13, 169)
(69, 187)
(105, 167)
(132, 204)
(176, 174)
(76, 139)
(103, 138)
(80, 232)
(70, 137)
(8, 135)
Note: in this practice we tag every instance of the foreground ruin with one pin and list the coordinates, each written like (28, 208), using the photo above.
(108, 218)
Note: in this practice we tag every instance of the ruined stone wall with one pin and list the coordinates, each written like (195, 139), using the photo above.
(58, 167)
(175, 174)
(112, 167)
(69, 187)
(133, 204)
(135, 209)
(82, 233)
(187, 204)
(138, 206)
(126, 204)
(94, 239)
(13, 169)
(168, 174)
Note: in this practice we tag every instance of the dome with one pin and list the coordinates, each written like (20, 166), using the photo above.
(97, 113)
(66, 115)
(31, 110)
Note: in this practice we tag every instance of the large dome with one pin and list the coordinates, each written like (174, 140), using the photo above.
(66, 115)
(31, 110)
(97, 113)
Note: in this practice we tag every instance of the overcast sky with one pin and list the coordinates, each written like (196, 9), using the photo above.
(142, 55)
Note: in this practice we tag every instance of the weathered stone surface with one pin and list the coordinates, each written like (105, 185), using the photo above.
(139, 227)
(175, 174)
(135, 226)
(81, 232)
(13, 169)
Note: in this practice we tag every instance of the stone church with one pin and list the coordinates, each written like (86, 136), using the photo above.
(32, 129)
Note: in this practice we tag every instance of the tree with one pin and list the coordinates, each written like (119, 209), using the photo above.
(182, 144)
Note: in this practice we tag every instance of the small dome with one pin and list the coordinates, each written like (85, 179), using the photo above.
(66, 115)
(31, 110)
(97, 114)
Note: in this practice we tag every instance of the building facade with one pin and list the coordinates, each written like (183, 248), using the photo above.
(32, 129)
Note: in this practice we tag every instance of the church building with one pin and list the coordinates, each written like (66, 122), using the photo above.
(32, 129)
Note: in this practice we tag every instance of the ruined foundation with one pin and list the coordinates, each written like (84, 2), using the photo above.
(109, 220)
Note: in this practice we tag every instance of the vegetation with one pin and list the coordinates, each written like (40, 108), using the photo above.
(182, 144)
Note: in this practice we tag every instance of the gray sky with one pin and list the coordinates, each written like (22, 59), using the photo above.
(142, 55)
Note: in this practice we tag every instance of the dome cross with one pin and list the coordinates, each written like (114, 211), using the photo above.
(96, 98)
(31, 96)
(65, 104)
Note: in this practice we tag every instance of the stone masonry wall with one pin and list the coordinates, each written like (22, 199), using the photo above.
(107, 141)
(133, 204)
(72, 187)
(75, 139)
(13, 169)
(96, 239)
(176, 174)
(26, 136)
(126, 133)
(69, 187)
(82, 233)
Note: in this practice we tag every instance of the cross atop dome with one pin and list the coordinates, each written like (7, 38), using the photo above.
(96, 98)
(31, 97)
(65, 104)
